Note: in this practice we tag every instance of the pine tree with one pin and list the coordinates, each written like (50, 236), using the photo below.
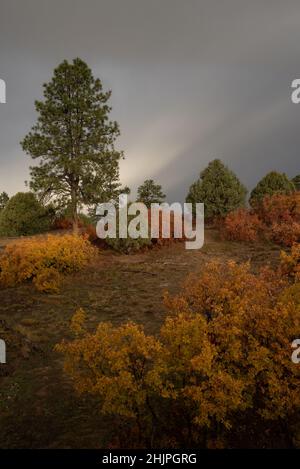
(150, 193)
(219, 189)
(74, 141)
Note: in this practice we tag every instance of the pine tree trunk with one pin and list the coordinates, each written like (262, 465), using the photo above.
(75, 224)
(74, 213)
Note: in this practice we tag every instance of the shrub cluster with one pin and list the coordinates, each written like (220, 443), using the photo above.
(65, 222)
(290, 263)
(276, 218)
(242, 225)
(222, 355)
(126, 245)
(44, 260)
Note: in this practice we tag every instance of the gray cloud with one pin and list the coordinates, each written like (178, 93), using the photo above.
(191, 81)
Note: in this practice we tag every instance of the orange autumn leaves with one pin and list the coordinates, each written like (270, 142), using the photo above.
(44, 260)
(224, 348)
(290, 262)
(276, 218)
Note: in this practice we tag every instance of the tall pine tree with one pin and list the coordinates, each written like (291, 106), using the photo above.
(74, 141)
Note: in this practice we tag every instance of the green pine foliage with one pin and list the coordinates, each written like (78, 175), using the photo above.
(219, 189)
(73, 139)
(3, 200)
(272, 183)
(25, 215)
(150, 193)
(296, 182)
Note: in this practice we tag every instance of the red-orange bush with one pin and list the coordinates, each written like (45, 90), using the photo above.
(285, 233)
(241, 225)
(290, 263)
(276, 218)
(281, 217)
(280, 208)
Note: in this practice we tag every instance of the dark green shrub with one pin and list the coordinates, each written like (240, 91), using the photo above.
(24, 215)
(127, 245)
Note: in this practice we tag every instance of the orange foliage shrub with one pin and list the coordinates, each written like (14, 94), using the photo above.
(241, 225)
(290, 263)
(281, 216)
(280, 208)
(225, 349)
(276, 218)
(44, 260)
(285, 234)
(63, 223)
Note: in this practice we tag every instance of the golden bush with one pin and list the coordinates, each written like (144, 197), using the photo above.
(44, 260)
(224, 349)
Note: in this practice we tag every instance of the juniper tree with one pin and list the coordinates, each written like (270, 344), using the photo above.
(73, 140)
(219, 189)
(296, 182)
(272, 183)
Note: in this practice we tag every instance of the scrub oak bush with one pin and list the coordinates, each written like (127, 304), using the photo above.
(281, 217)
(284, 234)
(44, 260)
(223, 351)
(290, 262)
(241, 225)
(280, 208)
(276, 218)
(65, 222)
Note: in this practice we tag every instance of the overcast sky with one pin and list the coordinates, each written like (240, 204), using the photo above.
(191, 81)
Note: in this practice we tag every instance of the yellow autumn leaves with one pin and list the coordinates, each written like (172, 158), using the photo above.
(44, 260)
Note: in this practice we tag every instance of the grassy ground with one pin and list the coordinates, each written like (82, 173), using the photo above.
(38, 407)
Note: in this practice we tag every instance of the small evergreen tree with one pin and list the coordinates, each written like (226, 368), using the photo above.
(296, 182)
(272, 183)
(150, 193)
(74, 140)
(219, 189)
(24, 215)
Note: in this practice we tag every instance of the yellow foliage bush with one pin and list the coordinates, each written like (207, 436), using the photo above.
(44, 260)
(115, 363)
(224, 349)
